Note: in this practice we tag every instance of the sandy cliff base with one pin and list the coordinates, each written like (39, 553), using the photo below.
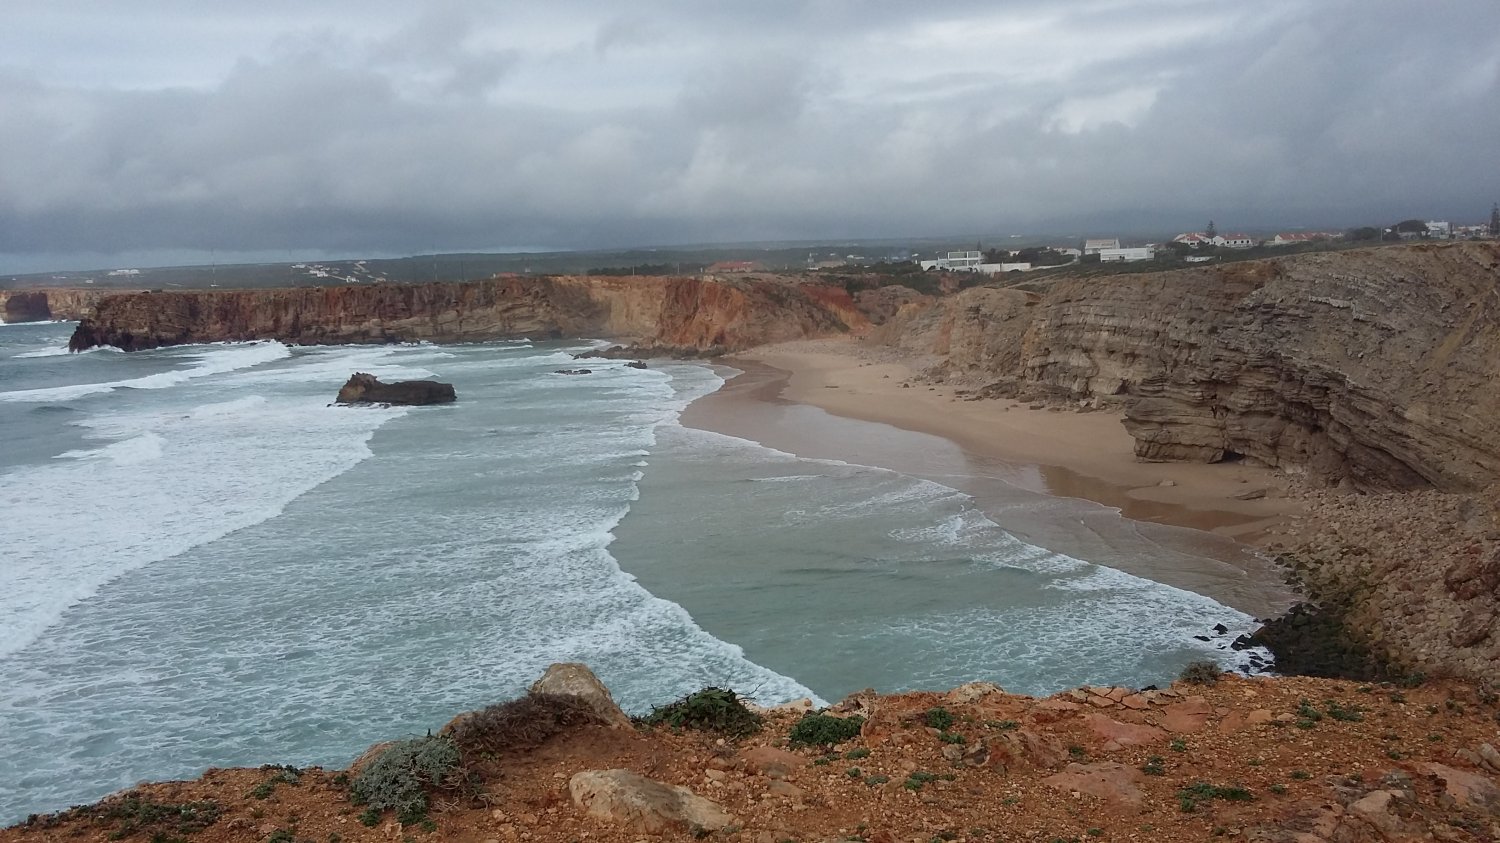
(1033, 471)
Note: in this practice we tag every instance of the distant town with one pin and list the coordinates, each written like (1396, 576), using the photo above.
(936, 263)
(1194, 247)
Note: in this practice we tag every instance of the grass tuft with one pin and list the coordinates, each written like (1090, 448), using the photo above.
(710, 710)
(817, 729)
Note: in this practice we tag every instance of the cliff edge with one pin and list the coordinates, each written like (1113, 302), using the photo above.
(1367, 367)
(49, 303)
(1261, 760)
(698, 313)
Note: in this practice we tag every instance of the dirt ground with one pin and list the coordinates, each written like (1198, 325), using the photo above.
(1284, 759)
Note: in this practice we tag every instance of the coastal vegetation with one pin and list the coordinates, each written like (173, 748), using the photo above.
(710, 710)
(1084, 764)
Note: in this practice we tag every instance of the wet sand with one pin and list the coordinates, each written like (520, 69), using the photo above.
(1065, 481)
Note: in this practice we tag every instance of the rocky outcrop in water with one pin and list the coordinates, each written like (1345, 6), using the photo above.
(363, 388)
(1370, 367)
(658, 312)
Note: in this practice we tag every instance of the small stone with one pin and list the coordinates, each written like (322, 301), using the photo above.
(771, 762)
(785, 790)
(1489, 758)
(972, 692)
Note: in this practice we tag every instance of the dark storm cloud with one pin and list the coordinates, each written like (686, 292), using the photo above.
(382, 127)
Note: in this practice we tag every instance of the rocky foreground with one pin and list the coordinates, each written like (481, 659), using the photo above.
(1289, 760)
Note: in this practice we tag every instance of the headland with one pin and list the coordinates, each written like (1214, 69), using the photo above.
(1332, 407)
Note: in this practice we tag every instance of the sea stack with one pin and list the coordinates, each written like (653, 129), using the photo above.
(363, 388)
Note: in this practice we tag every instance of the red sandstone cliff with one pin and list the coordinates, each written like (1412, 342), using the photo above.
(42, 305)
(673, 312)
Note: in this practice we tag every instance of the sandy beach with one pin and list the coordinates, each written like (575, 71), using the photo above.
(1063, 480)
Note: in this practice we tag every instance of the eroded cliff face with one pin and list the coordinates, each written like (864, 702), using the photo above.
(1371, 366)
(43, 305)
(669, 312)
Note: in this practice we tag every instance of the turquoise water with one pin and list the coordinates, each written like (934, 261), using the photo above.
(203, 564)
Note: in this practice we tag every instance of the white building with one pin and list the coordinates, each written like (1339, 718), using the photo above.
(1194, 239)
(1118, 255)
(1234, 241)
(997, 268)
(1440, 230)
(959, 261)
(1295, 237)
(1094, 247)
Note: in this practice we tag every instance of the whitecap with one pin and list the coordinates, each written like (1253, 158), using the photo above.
(211, 360)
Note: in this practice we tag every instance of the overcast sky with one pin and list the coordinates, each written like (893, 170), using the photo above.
(154, 130)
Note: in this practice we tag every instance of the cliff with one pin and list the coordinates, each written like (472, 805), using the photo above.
(1369, 367)
(1261, 760)
(46, 304)
(704, 313)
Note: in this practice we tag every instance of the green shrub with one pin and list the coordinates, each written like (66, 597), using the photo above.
(918, 778)
(130, 813)
(938, 718)
(1201, 672)
(399, 777)
(818, 729)
(288, 775)
(857, 753)
(710, 710)
(951, 737)
(1154, 766)
(1352, 714)
(1191, 796)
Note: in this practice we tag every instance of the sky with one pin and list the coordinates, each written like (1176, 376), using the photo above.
(169, 131)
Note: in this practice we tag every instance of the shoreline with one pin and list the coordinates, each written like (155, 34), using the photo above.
(1054, 479)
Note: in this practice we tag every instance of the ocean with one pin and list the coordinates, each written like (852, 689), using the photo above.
(202, 563)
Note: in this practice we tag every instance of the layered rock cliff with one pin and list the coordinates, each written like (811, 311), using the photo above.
(43, 305)
(1370, 366)
(672, 312)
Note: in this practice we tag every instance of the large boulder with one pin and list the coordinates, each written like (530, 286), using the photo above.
(643, 805)
(1105, 780)
(364, 388)
(571, 679)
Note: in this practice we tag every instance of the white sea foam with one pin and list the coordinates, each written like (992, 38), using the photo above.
(494, 523)
(64, 352)
(210, 360)
(1105, 606)
(166, 482)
